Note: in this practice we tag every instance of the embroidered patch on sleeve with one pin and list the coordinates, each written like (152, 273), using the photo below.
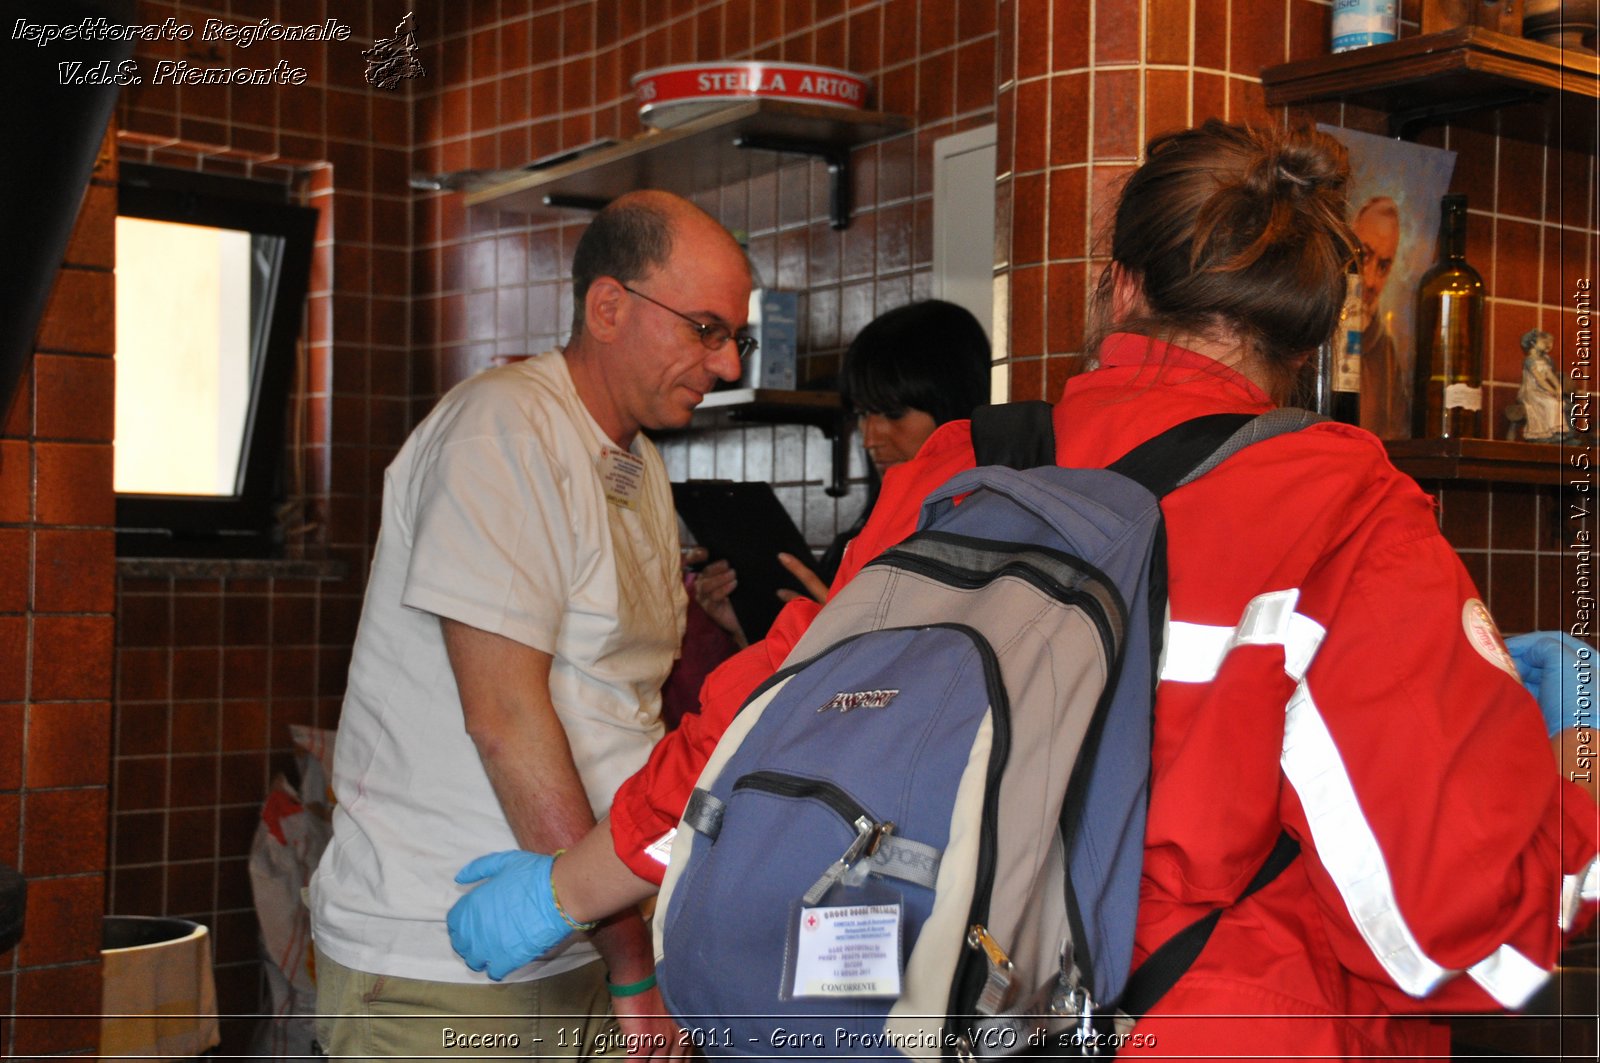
(1485, 636)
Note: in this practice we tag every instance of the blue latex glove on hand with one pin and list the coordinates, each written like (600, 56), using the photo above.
(510, 919)
(1558, 671)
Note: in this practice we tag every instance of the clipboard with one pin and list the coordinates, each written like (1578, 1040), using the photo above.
(745, 525)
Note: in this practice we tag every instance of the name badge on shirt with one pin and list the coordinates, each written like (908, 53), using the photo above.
(622, 476)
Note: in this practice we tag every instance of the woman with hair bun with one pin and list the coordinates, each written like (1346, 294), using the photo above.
(1380, 724)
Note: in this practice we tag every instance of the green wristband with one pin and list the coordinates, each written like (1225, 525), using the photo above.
(633, 989)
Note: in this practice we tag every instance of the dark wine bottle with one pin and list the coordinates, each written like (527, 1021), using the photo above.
(1450, 309)
(1338, 369)
(1345, 369)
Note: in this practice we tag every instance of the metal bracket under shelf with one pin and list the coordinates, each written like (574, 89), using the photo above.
(836, 156)
(1403, 125)
(814, 409)
(568, 202)
(833, 423)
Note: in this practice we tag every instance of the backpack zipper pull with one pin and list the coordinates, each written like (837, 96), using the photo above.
(1000, 983)
(868, 837)
(1073, 1001)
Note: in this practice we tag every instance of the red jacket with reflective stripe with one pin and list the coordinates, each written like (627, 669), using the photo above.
(1417, 776)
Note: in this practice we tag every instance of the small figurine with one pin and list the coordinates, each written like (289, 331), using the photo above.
(1543, 409)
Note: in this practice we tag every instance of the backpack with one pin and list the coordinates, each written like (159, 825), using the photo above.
(923, 835)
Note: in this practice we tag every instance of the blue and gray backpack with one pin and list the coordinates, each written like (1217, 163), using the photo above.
(922, 837)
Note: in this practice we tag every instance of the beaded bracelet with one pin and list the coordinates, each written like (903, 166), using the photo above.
(573, 923)
(633, 989)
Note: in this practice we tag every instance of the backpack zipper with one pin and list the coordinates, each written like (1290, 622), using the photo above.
(869, 831)
(798, 786)
(973, 578)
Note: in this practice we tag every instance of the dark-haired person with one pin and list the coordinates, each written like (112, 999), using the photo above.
(1329, 670)
(910, 370)
(523, 608)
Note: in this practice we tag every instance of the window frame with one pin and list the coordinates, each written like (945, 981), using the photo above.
(244, 524)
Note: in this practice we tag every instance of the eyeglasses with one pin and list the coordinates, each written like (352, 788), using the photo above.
(712, 336)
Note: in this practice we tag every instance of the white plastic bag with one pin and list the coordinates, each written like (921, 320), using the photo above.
(289, 840)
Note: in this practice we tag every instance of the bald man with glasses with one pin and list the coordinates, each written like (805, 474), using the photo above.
(524, 606)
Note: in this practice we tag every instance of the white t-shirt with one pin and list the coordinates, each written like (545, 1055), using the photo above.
(509, 510)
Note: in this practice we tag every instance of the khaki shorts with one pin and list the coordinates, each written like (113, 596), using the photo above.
(371, 1016)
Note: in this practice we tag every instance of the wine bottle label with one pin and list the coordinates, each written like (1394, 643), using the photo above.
(1463, 396)
(1345, 373)
(1347, 368)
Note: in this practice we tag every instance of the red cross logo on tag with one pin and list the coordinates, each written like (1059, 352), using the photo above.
(812, 921)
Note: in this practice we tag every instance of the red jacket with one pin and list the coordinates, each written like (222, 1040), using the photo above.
(1329, 671)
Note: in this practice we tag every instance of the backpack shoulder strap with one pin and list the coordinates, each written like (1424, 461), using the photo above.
(1018, 435)
(1176, 457)
(1162, 968)
(1187, 451)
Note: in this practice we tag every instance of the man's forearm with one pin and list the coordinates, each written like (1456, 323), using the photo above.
(555, 817)
(623, 941)
(512, 720)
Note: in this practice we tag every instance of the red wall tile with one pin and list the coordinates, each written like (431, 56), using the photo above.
(1167, 31)
(1211, 34)
(79, 316)
(75, 397)
(14, 640)
(12, 717)
(1257, 40)
(1116, 32)
(64, 833)
(50, 991)
(69, 744)
(74, 484)
(74, 571)
(16, 482)
(72, 657)
(140, 784)
(16, 566)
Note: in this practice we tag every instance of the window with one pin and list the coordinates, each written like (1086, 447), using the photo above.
(211, 284)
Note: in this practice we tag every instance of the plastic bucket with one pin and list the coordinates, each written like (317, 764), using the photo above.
(158, 997)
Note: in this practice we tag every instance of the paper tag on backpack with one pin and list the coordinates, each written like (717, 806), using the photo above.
(846, 951)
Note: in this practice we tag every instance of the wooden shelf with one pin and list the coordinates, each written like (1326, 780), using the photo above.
(1481, 459)
(731, 144)
(1416, 79)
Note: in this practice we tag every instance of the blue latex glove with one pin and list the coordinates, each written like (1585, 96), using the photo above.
(1558, 671)
(511, 918)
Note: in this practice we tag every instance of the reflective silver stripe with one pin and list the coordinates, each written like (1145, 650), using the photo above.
(660, 850)
(1509, 976)
(1192, 653)
(1346, 845)
(1578, 890)
(1348, 849)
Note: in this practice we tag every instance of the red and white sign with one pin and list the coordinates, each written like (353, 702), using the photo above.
(669, 95)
